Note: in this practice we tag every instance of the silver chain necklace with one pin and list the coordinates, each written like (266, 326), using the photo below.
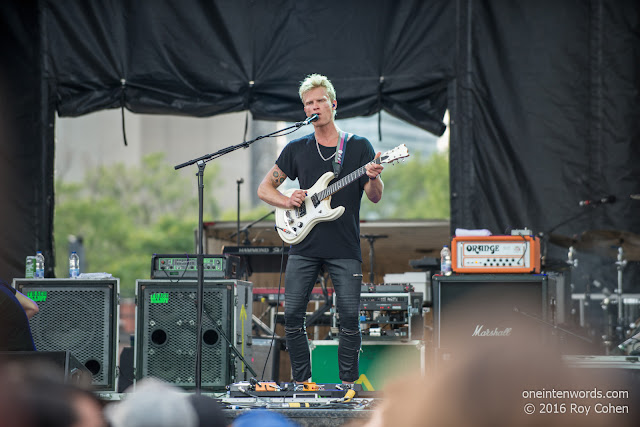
(321, 156)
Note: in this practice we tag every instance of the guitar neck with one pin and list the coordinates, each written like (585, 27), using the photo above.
(343, 182)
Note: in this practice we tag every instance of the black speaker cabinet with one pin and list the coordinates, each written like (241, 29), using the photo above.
(166, 330)
(473, 312)
(62, 364)
(79, 316)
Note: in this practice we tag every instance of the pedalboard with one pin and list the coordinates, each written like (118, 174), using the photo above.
(496, 254)
(272, 389)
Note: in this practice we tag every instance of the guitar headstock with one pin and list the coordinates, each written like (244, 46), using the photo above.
(395, 154)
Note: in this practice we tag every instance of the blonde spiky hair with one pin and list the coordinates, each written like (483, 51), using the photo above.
(313, 81)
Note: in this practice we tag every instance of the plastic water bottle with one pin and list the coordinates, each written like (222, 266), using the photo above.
(74, 265)
(445, 261)
(39, 265)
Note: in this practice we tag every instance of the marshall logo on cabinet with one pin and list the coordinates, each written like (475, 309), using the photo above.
(480, 331)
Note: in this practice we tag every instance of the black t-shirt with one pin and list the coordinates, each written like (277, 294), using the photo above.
(333, 239)
(15, 333)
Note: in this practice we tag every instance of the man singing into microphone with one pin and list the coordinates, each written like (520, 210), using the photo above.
(333, 244)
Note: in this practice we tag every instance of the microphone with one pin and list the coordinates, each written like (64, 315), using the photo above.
(603, 201)
(308, 120)
(630, 341)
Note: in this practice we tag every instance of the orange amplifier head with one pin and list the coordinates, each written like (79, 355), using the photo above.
(495, 254)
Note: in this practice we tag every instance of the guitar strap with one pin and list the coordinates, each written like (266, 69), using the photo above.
(340, 152)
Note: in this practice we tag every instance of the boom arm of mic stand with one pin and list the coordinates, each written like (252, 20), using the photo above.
(233, 348)
(545, 234)
(248, 226)
(231, 148)
(552, 326)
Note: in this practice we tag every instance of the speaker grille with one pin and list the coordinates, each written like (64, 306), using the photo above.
(166, 340)
(79, 317)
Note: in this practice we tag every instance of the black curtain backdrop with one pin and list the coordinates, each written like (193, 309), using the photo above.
(26, 140)
(546, 101)
(202, 58)
(543, 95)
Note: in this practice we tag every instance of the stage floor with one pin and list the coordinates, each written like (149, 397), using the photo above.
(304, 410)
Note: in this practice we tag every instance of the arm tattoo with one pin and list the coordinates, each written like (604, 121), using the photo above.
(278, 177)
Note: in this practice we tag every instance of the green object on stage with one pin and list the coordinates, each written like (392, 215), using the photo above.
(380, 362)
(30, 267)
(37, 296)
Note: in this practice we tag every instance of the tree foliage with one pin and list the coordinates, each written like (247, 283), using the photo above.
(415, 189)
(126, 214)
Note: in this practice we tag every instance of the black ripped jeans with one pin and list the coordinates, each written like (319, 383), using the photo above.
(301, 275)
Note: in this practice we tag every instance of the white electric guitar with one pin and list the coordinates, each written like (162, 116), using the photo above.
(294, 225)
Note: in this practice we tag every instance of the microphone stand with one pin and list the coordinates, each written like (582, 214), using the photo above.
(574, 262)
(544, 235)
(201, 163)
(551, 325)
(240, 181)
(246, 228)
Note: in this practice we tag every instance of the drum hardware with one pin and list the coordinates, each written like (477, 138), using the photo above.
(557, 239)
(371, 238)
(604, 243)
(562, 272)
(621, 263)
(572, 261)
(623, 246)
(607, 243)
(612, 322)
(556, 330)
(591, 295)
(562, 241)
(598, 314)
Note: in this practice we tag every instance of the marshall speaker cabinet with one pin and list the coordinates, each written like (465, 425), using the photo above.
(475, 312)
(166, 329)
